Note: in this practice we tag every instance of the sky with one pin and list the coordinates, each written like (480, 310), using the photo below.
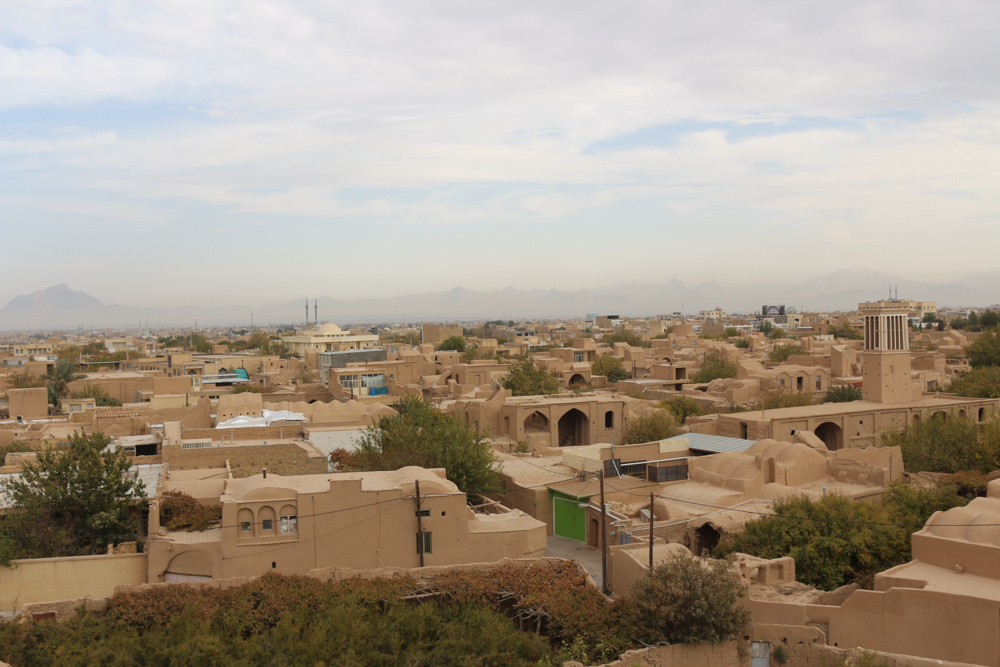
(188, 153)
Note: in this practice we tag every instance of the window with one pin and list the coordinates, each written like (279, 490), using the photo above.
(819, 382)
(425, 512)
(267, 524)
(289, 524)
(609, 419)
(245, 527)
(578, 357)
(424, 543)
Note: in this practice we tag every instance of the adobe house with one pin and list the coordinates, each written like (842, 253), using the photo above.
(28, 404)
(361, 521)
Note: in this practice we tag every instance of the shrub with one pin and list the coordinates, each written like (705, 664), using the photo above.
(784, 398)
(99, 394)
(688, 600)
(743, 343)
(715, 365)
(246, 388)
(843, 394)
(622, 336)
(985, 350)
(781, 353)
(612, 368)
(682, 407)
(526, 378)
(179, 511)
(982, 382)
(649, 427)
(947, 445)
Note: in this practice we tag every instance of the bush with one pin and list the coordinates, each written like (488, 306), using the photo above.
(649, 427)
(843, 394)
(179, 511)
(526, 378)
(682, 407)
(622, 336)
(456, 343)
(99, 394)
(246, 388)
(785, 398)
(781, 353)
(610, 367)
(743, 343)
(686, 600)
(715, 365)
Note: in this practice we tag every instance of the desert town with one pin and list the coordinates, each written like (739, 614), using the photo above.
(615, 443)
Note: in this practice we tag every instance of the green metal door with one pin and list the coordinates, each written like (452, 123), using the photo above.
(569, 519)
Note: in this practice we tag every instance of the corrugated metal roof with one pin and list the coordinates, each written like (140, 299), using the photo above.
(714, 444)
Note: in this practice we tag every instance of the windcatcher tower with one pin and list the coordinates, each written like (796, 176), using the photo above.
(886, 358)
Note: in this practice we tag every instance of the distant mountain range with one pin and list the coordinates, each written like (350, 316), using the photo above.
(60, 307)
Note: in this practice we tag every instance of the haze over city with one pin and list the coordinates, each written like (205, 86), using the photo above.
(176, 154)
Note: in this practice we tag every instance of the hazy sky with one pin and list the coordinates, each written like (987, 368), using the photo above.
(194, 152)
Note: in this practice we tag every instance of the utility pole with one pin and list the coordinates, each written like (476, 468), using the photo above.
(650, 531)
(604, 537)
(420, 526)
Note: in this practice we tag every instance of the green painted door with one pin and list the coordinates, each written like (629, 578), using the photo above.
(569, 519)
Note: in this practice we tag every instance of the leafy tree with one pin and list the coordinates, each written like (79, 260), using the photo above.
(58, 378)
(989, 318)
(837, 541)
(24, 380)
(526, 378)
(682, 407)
(929, 319)
(456, 343)
(199, 342)
(777, 333)
(982, 382)
(985, 350)
(649, 427)
(610, 367)
(70, 500)
(958, 323)
(766, 327)
(623, 336)
(743, 343)
(99, 394)
(276, 348)
(179, 511)
(973, 319)
(844, 331)
(688, 600)
(781, 353)
(732, 332)
(782, 397)
(421, 435)
(843, 394)
(948, 445)
(716, 364)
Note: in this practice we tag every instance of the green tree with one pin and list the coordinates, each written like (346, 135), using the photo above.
(928, 320)
(781, 353)
(649, 427)
(421, 435)
(766, 328)
(623, 336)
(610, 367)
(982, 382)
(24, 380)
(688, 600)
(732, 332)
(58, 378)
(958, 323)
(777, 333)
(456, 343)
(199, 342)
(985, 350)
(99, 394)
(843, 394)
(276, 348)
(71, 500)
(682, 407)
(526, 378)
(716, 364)
(844, 330)
(989, 318)
(837, 541)
(950, 445)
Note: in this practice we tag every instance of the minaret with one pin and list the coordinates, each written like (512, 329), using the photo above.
(315, 310)
(307, 312)
(885, 362)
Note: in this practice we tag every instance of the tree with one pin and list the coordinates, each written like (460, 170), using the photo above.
(99, 394)
(686, 600)
(199, 342)
(623, 336)
(716, 364)
(844, 331)
(781, 353)
(71, 500)
(732, 332)
(836, 540)
(421, 435)
(982, 382)
(958, 323)
(276, 348)
(610, 367)
(682, 407)
(766, 327)
(777, 333)
(929, 319)
(24, 380)
(990, 318)
(526, 378)
(649, 427)
(456, 343)
(948, 445)
(843, 394)
(58, 378)
(985, 350)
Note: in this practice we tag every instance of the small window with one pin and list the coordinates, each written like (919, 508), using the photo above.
(609, 419)
(424, 543)
(290, 524)
(245, 527)
(425, 512)
(267, 524)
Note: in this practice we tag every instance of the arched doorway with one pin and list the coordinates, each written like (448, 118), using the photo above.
(536, 423)
(831, 434)
(577, 380)
(707, 537)
(573, 429)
